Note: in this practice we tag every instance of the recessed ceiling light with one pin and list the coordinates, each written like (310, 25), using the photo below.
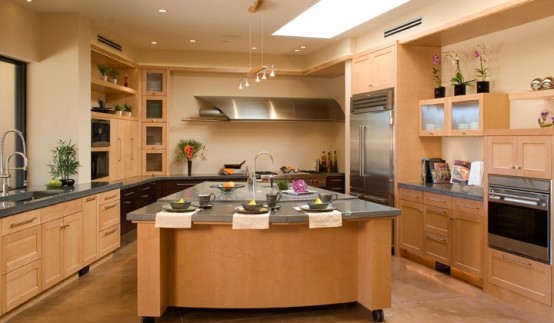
(254, 48)
(297, 50)
(303, 47)
(192, 40)
(329, 18)
(162, 10)
(29, 0)
(154, 43)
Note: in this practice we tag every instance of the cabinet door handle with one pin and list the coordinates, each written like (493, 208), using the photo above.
(92, 198)
(127, 202)
(119, 143)
(145, 196)
(182, 184)
(111, 206)
(64, 226)
(517, 261)
(13, 225)
(107, 233)
(437, 239)
(129, 194)
(110, 197)
(438, 211)
(468, 206)
(132, 149)
(438, 201)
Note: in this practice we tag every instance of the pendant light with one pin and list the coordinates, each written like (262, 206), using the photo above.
(261, 69)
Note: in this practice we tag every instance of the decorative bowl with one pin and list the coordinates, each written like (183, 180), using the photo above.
(227, 189)
(180, 205)
(317, 206)
(252, 207)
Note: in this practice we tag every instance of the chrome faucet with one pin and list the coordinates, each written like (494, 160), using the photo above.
(4, 162)
(255, 159)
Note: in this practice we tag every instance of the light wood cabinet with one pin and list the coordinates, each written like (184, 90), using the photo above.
(374, 70)
(154, 82)
(21, 252)
(124, 149)
(108, 222)
(464, 115)
(528, 156)
(444, 229)
(520, 275)
(411, 220)
(61, 248)
(89, 229)
(154, 109)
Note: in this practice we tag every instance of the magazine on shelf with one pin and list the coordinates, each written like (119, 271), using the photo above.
(460, 172)
(440, 172)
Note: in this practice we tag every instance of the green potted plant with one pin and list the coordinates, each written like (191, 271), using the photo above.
(104, 71)
(128, 109)
(458, 80)
(64, 162)
(113, 74)
(119, 109)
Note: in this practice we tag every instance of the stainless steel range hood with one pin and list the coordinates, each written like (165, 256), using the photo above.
(225, 108)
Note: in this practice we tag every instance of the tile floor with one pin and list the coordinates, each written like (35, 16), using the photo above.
(419, 294)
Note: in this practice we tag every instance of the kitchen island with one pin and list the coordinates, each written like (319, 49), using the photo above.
(211, 265)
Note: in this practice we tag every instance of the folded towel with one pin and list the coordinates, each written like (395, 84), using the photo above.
(251, 221)
(174, 219)
(325, 219)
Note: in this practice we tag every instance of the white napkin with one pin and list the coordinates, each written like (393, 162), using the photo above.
(174, 219)
(251, 221)
(323, 219)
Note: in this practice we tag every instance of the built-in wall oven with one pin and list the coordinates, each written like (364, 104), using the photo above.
(100, 133)
(519, 216)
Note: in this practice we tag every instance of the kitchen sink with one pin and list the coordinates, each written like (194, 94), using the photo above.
(29, 196)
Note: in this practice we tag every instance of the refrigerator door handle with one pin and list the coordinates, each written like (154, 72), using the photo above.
(360, 149)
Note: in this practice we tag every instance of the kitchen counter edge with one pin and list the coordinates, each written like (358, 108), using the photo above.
(455, 190)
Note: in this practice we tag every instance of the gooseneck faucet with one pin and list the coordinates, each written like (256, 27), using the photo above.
(255, 159)
(4, 162)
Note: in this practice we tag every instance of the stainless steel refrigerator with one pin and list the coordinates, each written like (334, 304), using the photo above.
(372, 146)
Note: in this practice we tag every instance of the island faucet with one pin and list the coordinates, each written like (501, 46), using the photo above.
(4, 162)
(255, 159)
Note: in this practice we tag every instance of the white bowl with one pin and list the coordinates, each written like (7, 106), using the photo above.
(430, 126)
(474, 125)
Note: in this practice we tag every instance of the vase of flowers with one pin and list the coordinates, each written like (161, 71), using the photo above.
(188, 150)
(440, 90)
(483, 84)
(458, 80)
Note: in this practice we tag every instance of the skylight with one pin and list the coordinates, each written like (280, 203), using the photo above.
(329, 18)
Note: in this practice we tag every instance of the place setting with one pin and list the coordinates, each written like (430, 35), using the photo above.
(178, 214)
(321, 212)
(251, 215)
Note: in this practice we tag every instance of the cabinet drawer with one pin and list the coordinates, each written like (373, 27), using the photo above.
(108, 240)
(20, 222)
(108, 196)
(436, 248)
(438, 200)
(410, 195)
(468, 206)
(520, 275)
(108, 215)
(20, 248)
(60, 210)
(437, 220)
(21, 285)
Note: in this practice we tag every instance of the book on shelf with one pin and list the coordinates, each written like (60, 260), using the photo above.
(460, 172)
(440, 172)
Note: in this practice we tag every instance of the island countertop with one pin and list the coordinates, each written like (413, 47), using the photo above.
(223, 207)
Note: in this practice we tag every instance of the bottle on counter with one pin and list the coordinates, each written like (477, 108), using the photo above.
(335, 165)
(329, 162)
(317, 165)
(323, 163)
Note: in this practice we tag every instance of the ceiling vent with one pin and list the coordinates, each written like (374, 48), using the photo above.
(403, 27)
(110, 43)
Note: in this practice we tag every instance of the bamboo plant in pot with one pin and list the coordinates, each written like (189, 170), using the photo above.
(64, 162)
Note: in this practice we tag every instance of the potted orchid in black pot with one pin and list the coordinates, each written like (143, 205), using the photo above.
(440, 90)
(458, 80)
(482, 72)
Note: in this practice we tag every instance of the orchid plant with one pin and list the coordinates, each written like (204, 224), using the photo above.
(546, 119)
(436, 70)
(480, 53)
(458, 79)
(189, 149)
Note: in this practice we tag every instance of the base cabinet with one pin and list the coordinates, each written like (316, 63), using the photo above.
(520, 275)
(108, 222)
(411, 221)
(20, 285)
(89, 229)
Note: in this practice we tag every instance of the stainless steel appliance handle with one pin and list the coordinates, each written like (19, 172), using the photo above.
(363, 151)
(375, 199)
(492, 194)
(360, 145)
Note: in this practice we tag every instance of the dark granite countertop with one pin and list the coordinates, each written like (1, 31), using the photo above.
(223, 207)
(59, 196)
(466, 192)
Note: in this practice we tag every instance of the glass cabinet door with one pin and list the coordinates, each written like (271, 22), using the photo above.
(153, 136)
(153, 162)
(155, 109)
(155, 82)
(432, 117)
(465, 114)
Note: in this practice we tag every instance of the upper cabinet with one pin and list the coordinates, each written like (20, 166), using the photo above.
(533, 95)
(374, 70)
(465, 115)
(155, 82)
(117, 88)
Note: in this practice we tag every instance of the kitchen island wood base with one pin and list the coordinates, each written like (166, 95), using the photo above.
(289, 265)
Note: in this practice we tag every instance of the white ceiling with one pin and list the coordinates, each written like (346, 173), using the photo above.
(217, 25)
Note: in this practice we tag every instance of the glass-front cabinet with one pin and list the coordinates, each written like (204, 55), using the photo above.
(155, 109)
(432, 118)
(464, 115)
(154, 162)
(155, 82)
(153, 136)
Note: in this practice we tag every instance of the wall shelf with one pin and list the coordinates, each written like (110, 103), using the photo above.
(533, 95)
(110, 88)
